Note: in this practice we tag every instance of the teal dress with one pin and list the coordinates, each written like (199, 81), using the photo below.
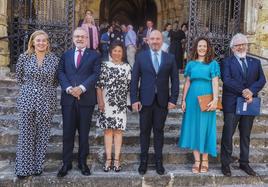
(198, 131)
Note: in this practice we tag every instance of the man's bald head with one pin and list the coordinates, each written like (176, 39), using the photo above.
(155, 40)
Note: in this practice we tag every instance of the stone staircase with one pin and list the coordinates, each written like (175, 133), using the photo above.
(177, 162)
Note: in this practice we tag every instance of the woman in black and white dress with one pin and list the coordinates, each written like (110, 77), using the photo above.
(112, 92)
(36, 72)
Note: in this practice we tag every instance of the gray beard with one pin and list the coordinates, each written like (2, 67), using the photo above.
(241, 55)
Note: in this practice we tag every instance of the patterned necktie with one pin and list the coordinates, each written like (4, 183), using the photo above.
(78, 61)
(156, 62)
(244, 67)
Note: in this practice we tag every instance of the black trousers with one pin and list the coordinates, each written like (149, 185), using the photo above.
(231, 120)
(76, 117)
(152, 117)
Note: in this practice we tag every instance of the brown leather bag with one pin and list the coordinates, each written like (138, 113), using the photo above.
(204, 100)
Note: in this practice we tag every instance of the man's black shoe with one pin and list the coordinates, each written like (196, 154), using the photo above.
(64, 170)
(160, 170)
(246, 168)
(84, 169)
(142, 168)
(226, 171)
(38, 174)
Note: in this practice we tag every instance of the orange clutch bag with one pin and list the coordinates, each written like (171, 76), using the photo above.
(204, 100)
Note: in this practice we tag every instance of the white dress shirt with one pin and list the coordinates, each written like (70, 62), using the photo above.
(159, 55)
(76, 53)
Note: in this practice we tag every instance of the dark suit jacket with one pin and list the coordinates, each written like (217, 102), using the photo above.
(234, 84)
(145, 46)
(144, 72)
(86, 74)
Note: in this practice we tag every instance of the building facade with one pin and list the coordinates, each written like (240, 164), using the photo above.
(60, 17)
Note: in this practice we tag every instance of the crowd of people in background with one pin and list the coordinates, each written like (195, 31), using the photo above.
(135, 39)
(118, 68)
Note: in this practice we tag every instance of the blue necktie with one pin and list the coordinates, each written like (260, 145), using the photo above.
(156, 62)
(244, 67)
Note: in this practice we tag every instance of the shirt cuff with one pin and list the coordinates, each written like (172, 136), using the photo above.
(68, 89)
(82, 88)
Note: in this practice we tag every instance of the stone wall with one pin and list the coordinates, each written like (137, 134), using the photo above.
(4, 50)
(256, 26)
(255, 22)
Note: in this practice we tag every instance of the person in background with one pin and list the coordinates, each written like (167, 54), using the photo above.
(242, 76)
(184, 28)
(130, 43)
(166, 38)
(87, 13)
(117, 34)
(112, 103)
(146, 34)
(177, 38)
(36, 72)
(198, 131)
(140, 37)
(92, 32)
(105, 42)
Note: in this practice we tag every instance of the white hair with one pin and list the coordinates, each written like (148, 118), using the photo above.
(80, 29)
(237, 39)
(130, 27)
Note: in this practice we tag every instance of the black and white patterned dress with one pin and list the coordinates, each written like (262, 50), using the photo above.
(36, 104)
(115, 81)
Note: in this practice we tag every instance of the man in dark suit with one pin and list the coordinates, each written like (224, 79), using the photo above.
(242, 77)
(146, 34)
(153, 69)
(78, 72)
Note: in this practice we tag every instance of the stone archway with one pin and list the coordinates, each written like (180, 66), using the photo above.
(128, 11)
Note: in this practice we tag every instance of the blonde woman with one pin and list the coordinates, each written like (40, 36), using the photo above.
(92, 32)
(36, 72)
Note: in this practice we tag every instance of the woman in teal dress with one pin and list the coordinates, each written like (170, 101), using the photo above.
(198, 132)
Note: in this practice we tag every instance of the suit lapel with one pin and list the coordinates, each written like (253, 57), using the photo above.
(250, 65)
(163, 60)
(72, 54)
(150, 60)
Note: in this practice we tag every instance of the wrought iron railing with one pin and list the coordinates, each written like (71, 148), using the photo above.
(54, 17)
(218, 20)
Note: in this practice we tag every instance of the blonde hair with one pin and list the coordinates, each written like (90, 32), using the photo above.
(30, 49)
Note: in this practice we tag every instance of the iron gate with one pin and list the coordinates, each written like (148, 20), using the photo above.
(55, 17)
(218, 20)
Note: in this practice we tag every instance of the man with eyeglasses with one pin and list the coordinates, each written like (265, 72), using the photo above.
(242, 76)
(79, 70)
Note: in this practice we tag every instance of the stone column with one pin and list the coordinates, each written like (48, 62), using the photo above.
(4, 50)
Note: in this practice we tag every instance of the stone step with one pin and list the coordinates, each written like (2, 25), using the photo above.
(172, 122)
(176, 176)
(8, 82)
(131, 137)
(171, 154)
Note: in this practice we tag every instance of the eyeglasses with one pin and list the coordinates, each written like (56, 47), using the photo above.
(241, 45)
(80, 36)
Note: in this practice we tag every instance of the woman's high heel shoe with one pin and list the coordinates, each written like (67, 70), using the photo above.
(108, 165)
(117, 167)
(204, 168)
(196, 167)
